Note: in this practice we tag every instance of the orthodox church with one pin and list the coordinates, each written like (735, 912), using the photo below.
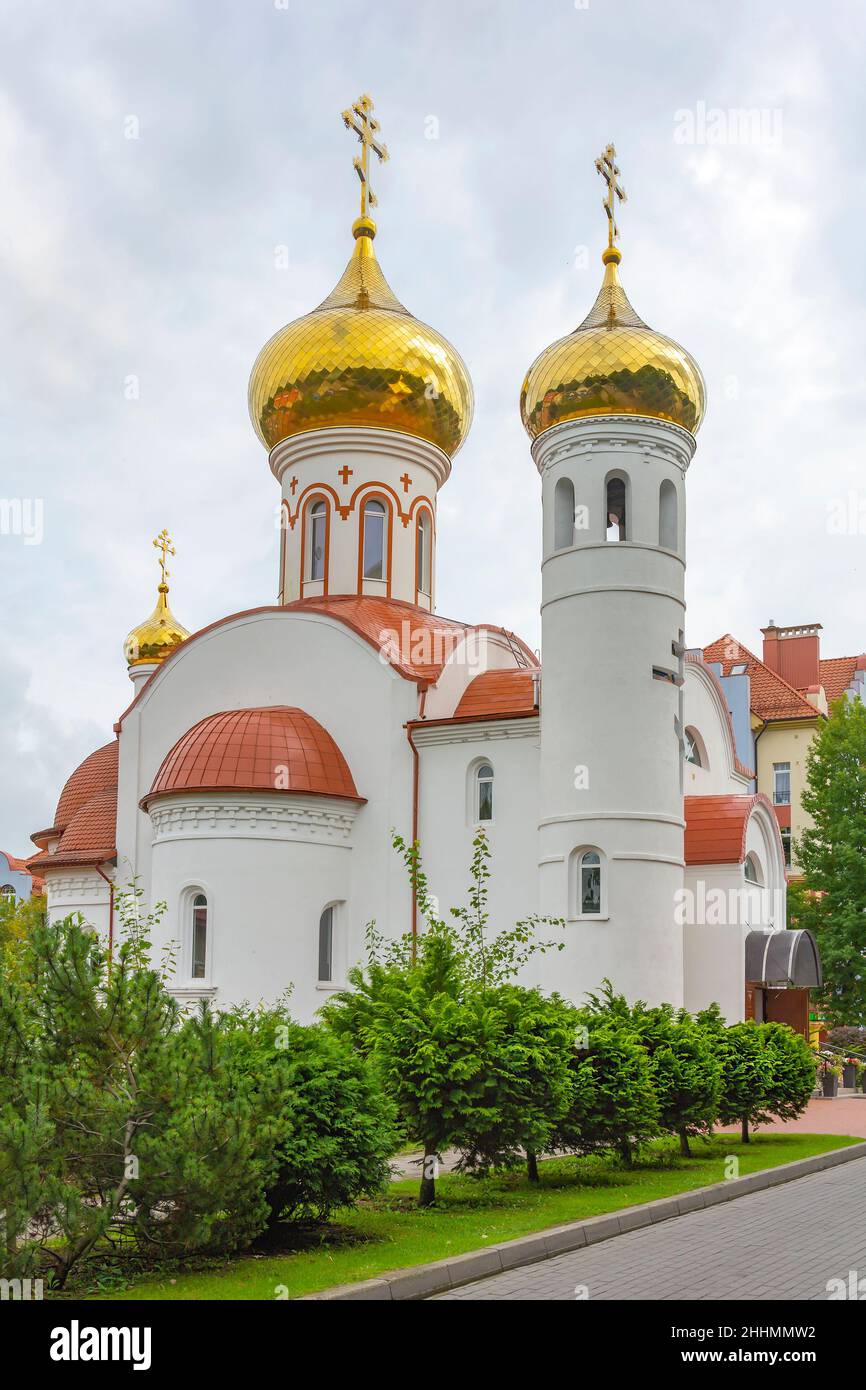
(253, 782)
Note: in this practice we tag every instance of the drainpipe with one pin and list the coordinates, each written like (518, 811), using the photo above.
(416, 788)
(110, 883)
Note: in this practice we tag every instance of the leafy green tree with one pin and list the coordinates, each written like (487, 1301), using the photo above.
(17, 921)
(613, 1103)
(831, 898)
(745, 1069)
(685, 1073)
(323, 1129)
(472, 1061)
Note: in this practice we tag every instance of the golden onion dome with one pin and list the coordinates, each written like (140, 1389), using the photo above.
(612, 364)
(156, 638)
(361, 358)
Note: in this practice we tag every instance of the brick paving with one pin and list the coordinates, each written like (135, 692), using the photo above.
(785, 1242)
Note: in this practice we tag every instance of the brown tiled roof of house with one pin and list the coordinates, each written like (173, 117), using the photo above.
(771, 697)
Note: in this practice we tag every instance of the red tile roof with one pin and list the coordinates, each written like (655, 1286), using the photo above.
(89, 836)
(272, 749)
(771, 697)
(417, 643)
(716, 827)
(86, 815)
(837, 673)
(95, 774)
(18, 866)
(498, 693)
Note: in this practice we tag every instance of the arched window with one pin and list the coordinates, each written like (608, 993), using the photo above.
(317, 531)
(693, 749)
(326, 945)
(752, 870)
(7, 891)
(589, 884)
(484, 792)
(374, 540)
(423, 553)
(199, 937)
(668, 515)
(616, 521)
(563, 514)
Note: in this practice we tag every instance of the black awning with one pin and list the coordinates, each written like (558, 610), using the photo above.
(783, 960)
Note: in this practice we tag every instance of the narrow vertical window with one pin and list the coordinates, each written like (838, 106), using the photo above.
(782, 784)
(326, 945)
(374, 540)
(590, 883)
(316, 538)
(199, 936)
(423, 553)
(785, 832)
(563, 514)
(484, 793)
(615, 509)
(668, 515)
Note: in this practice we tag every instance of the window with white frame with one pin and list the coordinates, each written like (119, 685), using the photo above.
(326, 946)
(198, 952)
(785, 833)
(782, 784)
(752, 870)
(484, 792)
(375, 523)
(316, 536)
(589, 883)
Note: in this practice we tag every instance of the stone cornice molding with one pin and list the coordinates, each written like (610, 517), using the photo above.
(281, 816)
(661, 440)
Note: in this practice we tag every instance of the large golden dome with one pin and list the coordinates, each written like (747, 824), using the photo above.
(361, 358)
(612, 364)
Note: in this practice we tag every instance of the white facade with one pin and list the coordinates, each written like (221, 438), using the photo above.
(598, 766)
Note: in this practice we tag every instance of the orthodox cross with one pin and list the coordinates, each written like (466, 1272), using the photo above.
(164, 545)
(359, 118)
(607, 166)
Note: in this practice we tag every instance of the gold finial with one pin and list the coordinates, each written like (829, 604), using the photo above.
(164, 545)
(358, 118)
(607, 166)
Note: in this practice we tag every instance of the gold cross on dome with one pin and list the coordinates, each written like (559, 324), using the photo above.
(607, 166)
(164, 545)
(359, 118)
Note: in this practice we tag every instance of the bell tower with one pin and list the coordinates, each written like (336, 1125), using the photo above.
(612, 410)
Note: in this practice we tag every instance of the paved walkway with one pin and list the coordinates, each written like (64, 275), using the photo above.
(845, 1114)
(785, 1242)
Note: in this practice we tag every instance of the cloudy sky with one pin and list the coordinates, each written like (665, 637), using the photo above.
(153, 156)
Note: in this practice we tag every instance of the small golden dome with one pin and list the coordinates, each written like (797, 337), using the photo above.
(156, 638)
(361, 358)
(612, 364)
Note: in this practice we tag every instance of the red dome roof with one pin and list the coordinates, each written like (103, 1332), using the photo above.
(273, 749)
(97, 773)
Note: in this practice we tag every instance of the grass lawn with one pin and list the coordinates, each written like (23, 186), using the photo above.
(392, 1232)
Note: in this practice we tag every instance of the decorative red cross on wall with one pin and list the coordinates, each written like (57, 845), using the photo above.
(406, 481)
(294, 484)
(345, 473)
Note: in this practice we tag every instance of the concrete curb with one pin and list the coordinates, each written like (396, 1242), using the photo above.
(422, 1281)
